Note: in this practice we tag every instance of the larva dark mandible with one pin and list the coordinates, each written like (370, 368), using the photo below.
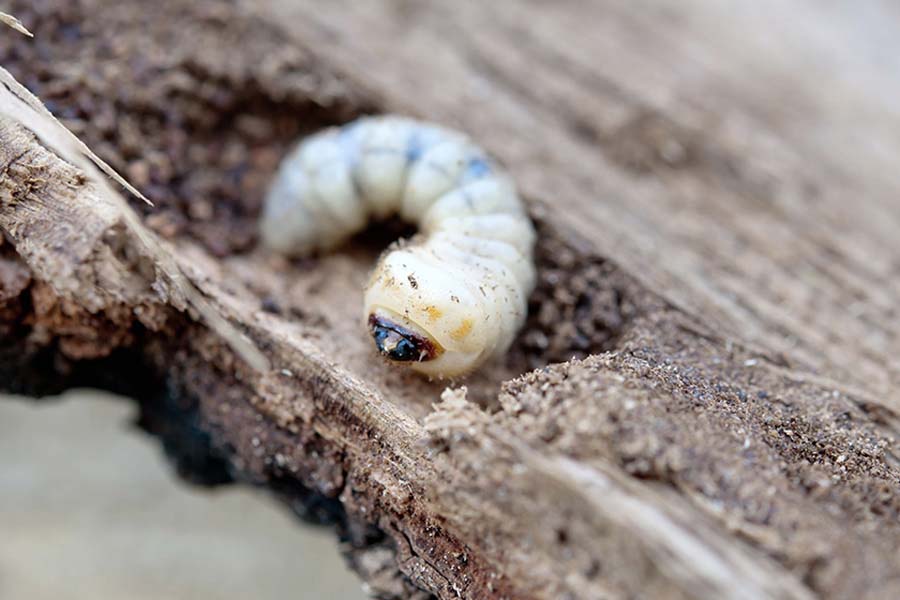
(453, 296)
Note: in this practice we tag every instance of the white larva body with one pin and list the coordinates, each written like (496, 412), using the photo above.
(456, 294)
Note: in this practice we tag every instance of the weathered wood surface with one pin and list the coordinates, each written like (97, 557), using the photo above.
(718, 207)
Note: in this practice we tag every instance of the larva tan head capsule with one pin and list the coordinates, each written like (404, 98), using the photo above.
(426, 315)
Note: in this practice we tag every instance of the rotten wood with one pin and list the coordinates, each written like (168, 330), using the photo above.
(702, 403)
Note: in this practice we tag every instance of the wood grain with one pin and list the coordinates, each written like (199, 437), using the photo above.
(716, 203)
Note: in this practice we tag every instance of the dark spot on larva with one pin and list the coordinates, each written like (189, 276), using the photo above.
(454, 299)
(413, 282)
(477, 167)
(399, 343)
(269, 305)
(414, 147)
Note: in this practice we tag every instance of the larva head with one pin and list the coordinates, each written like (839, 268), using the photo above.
(423, 314)
(399, 343)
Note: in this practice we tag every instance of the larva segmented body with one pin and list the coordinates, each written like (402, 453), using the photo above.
(453, 296)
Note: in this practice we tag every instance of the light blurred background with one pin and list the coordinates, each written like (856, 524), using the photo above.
(90, 509)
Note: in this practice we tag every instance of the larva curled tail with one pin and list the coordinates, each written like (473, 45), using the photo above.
(456, 295)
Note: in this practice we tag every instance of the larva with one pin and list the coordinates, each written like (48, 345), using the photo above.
(454, 295)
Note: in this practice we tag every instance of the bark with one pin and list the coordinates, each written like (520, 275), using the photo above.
(703, 401)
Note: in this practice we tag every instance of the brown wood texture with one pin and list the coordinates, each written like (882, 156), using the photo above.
(703, 402)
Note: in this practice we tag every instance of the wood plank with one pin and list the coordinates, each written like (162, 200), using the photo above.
(716, 251)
